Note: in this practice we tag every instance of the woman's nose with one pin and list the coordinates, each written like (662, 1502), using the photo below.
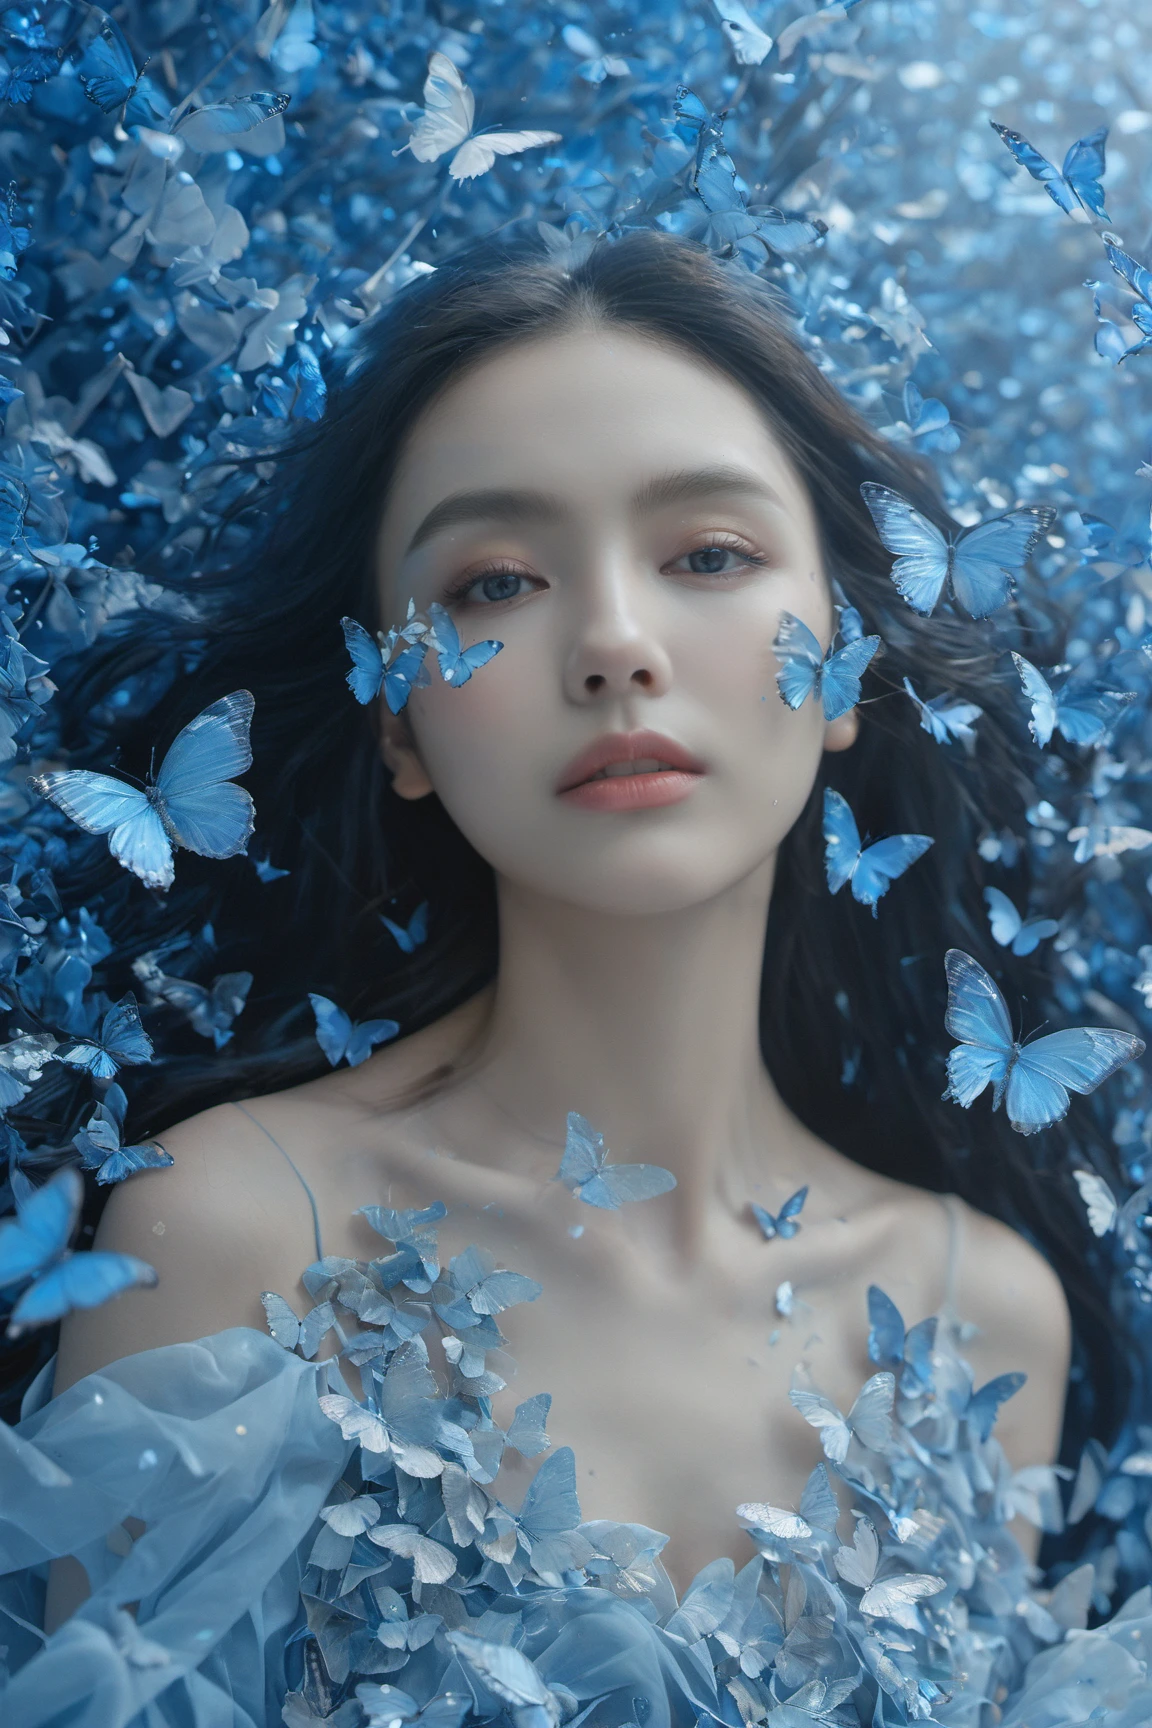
(616, 653)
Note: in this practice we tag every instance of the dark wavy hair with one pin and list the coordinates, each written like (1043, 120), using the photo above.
(851, 1008)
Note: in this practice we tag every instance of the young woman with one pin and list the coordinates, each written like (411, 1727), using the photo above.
(624, 470)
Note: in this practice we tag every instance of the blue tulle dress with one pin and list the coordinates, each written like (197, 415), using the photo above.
(310, 1555)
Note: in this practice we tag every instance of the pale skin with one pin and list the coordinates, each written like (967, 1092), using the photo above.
(630, 954)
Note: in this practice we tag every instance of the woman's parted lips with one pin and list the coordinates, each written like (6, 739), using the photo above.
(624, 747)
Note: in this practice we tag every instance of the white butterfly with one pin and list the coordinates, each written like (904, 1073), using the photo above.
(446, 124)
(1107, 840)
(886, 1599)
(352, 1517)
(1105, 1212)
(750, 44)
(857, 1565)
(787, 1526)
(869, 1419)
(356, 1423)
(432, 1562)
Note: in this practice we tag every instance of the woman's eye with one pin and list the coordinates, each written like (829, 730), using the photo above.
(719, 560)
(496, 585)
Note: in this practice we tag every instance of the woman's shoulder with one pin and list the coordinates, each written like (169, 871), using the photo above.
(229, 1218)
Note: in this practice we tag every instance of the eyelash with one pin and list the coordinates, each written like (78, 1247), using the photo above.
(455, 594)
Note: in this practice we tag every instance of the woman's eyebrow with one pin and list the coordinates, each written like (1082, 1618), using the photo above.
(520, 505)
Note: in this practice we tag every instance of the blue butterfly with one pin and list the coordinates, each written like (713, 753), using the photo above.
(1032, 1080)
(209, 1010)
(585, 1171)
(805, 670)
(786, 1222)
(474, 1286)
(457, 664)
(980, 561)
(100, 1148)
(213, 126)
(122, 1043)
(983, 1407)
(549, 1517)
(108, 72)
(690, 111)
(410, 936)
(340, 1038)
(192, 803)
(35, 1246)
(1077, 182)
(526, 1432)
(267, 871)
(1010, 930)
(1083, 713)
(870, 870)
(946, 718)
(1139, 279)
(908, 1352)
(371, 668)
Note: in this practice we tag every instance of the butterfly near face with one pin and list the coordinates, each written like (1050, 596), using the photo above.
(446, 124)
(376, 666)
(784, 1223)
(34, 1251)
(408, 937)
(99, 1143)
(832, 679)
(1075, 185)
(586, 1173)
(1031, 1080)
(870, 869)
(946, 718)
(1082, 712)
(457, 664)
(1010, 930)
(192, 803)
(343, 1039)
(979, 562)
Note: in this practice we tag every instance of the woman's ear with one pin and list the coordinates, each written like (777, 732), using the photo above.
(401, 757)
(842, 733)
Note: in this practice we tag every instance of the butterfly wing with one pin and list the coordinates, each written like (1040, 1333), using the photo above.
(920, 550)
(283, 1322)
(204, 811)
(930, 720)
(108, 69)
(841, 840)
(1002, 916)
(401, 935)
(765, 1219)
(870, 1417)
(584, 1153)
(126, 1160)
(886, 1327)
(449, 108)
(984, 1406)
(526, 1431)
(550, 1507)
(1038, 166)
(800, 656)
(1039, 693)
(143, 846)
(841, 674)
(1084, 170)
(1032, 934)
(333, 1030)
(891, 1595)
(749, 43)
(365, 1036)
(478, 154)
(42, 1231)
(1085, 716)
(95, 802)
(823, 1415)
(988, 556)
(81, 1281)
(1076, 1060)
(978, 1015)
(213, 126)
(366, 673)
(406, 673)
(787, 1220)
(1137, 276)
(882, 863)
(626, 1182)
(122, 1035)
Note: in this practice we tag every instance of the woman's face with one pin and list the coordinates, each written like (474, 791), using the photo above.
(621, 519)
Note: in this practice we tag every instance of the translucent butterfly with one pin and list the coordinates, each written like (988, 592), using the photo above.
(1107, 840)
(871, 870)
(209, 1009)
(526, 1432)
(787, 1221)
(946, 718)
(1032, 1080)
(342, 1039)
(980, 562)
(1139, 279)
(100, 1148)
(474, 1286)
(449, 110)
(1105, 1213)
(372, 666)
(805, 670)
(1082, 713)
(549, 1515)
(510, 1675)
(585, 1171)
(596, 64)
(909, 1352)
(869, 1420)
(192, 802)
(457, 664)
(34, 1246)
(750, 44)
(290, 1331)
(122, 1043)
(267, 871)
(410, 936)
(1075, 184)
(1010, 930)
(214, 127)
(983, 1407)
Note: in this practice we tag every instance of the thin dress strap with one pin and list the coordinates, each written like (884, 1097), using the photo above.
(311, 1197)
(952, 1211)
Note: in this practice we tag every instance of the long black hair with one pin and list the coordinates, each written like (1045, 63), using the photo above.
(851, 1007)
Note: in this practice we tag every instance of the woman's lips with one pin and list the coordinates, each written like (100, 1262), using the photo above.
(630, 771)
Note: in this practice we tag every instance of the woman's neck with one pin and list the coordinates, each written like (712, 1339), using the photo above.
(648, 1026)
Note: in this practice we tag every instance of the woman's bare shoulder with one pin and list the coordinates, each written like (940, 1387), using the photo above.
(228, 1218)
